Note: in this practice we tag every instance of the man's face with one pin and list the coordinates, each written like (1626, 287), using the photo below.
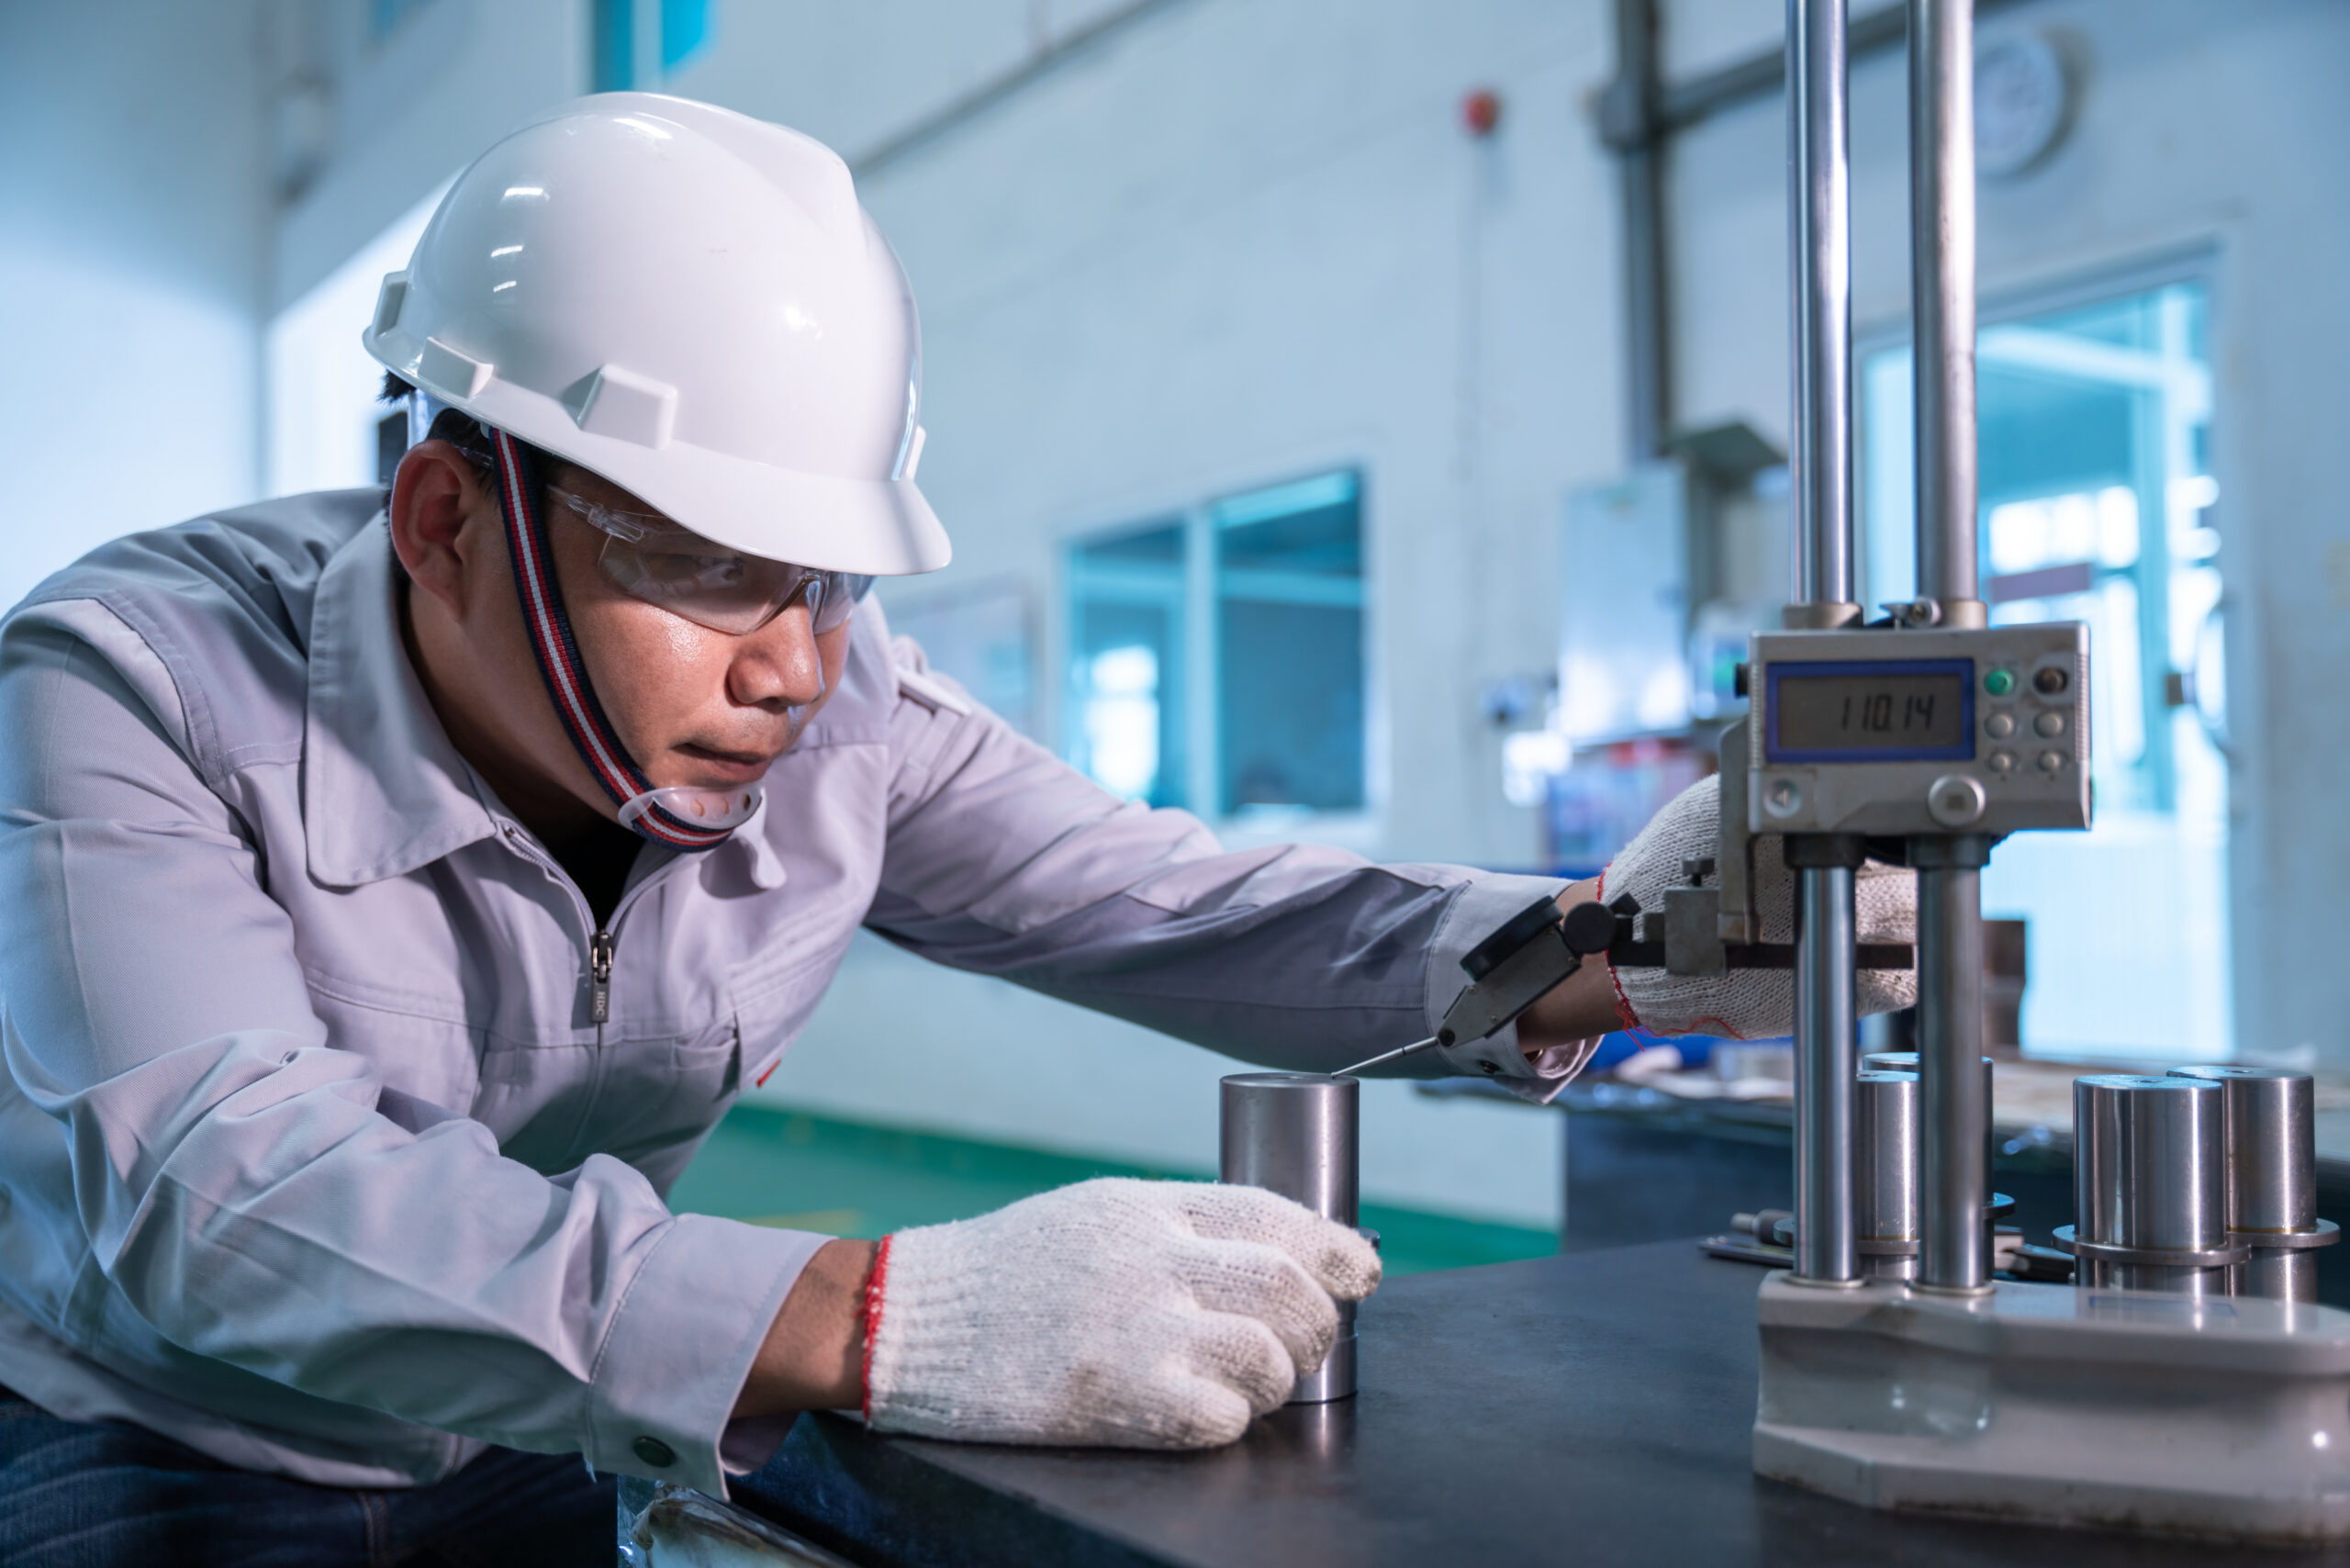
(694, 706)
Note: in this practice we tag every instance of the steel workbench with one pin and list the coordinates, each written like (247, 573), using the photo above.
(1593, 1408)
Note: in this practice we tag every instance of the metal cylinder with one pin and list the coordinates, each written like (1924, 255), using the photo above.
(2150, 1181)
(1820, 455)
(1908, 1062)
(1954, 1169)
(2277, 1273)
(2271, 1120)
(1297, 1133)
(1819, 234)
(1825, 1249)
(1884, 1181)
(2271, 1139)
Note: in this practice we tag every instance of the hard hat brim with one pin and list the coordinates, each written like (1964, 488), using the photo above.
(873, 527)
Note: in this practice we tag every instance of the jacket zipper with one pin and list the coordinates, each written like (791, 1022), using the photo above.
(600, 943)
(599, 978)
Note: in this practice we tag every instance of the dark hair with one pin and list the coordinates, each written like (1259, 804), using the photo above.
(461, 430)
(470, 437)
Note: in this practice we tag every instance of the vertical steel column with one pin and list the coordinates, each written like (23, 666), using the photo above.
(1819, 229)
(1954, 1111)
(1942, 301)
(1630, 125)
(1820, 444)
(1827, 1238)
(1957, 1113)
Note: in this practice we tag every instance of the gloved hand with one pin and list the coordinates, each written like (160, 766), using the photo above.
(1746, 1003)
(1118, 1313)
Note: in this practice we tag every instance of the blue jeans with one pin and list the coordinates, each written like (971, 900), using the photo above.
(80, 1494)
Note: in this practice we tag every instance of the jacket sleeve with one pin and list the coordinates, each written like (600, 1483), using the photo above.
(251, 1193)
(1004, 860)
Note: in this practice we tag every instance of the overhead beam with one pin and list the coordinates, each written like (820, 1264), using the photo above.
(987, 96)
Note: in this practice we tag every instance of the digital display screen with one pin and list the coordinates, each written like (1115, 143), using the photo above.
(1920, 711)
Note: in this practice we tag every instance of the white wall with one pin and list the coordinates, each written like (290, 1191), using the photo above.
(401, 115)
(133, 219)
(857, 76)
(409, 110)
(322, 386)
(2196, 125)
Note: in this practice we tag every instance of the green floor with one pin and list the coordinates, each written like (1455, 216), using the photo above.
(806, 1172)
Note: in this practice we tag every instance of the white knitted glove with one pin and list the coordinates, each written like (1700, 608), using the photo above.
(1746, 1005)
(1119, 1313)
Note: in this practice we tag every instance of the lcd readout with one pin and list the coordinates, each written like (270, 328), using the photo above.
(1865, 712)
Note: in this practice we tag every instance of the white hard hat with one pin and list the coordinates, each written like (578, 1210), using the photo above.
(690, 303)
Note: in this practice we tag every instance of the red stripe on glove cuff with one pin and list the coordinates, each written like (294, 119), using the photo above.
(1624, 1014)
(870, 1322)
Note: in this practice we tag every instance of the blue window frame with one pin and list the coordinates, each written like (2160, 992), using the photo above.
(1217, 655)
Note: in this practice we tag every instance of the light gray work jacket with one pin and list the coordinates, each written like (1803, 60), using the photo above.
(312, 1153)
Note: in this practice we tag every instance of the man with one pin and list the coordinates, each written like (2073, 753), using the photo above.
(397, 888)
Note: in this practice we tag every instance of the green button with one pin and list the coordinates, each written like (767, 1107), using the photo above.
(1999, 683)
(654, 1452)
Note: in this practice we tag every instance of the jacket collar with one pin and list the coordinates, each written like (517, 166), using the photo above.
(383, 791)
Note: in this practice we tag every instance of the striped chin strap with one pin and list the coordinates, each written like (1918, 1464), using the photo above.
(680, 816)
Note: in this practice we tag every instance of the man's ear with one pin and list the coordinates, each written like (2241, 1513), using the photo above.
(435, 495)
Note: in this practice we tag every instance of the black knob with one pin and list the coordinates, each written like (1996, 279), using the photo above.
(1588, 928)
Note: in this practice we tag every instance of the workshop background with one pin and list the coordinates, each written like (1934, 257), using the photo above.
(1332, 447)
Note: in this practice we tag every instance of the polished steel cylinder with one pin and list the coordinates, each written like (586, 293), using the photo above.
(1954, 1171)
(1819, 234)
(1908, 1062)
(1885, 1182)
(2271, 1119)
(1820, 455)
(1297, 1133)
(2277, 1273)
(1825, 1249)
(2149, 1176)
(1941, 299)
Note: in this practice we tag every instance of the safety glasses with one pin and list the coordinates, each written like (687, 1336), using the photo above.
(653, 559)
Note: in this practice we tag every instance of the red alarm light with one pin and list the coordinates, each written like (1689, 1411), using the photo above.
(1481, 111)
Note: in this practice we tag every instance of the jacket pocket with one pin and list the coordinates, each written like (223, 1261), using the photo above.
(661, 1101)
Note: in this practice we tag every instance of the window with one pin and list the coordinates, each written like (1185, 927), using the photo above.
(976, 632)
(1216, 656)
(2098, 505)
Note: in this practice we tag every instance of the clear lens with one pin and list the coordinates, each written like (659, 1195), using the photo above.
(653, 559)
